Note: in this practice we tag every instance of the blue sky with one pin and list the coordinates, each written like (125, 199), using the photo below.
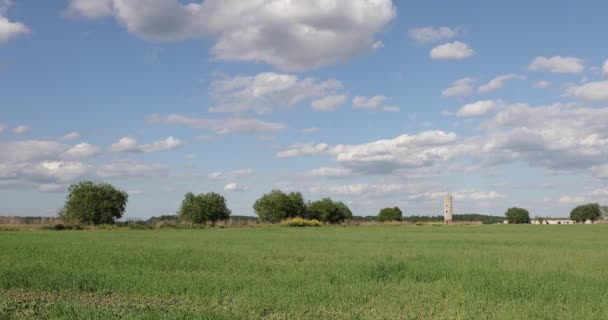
(372, 102)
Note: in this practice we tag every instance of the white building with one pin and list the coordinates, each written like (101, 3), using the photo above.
(447, 209)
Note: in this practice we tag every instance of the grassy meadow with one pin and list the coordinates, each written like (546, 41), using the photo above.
(406, 272)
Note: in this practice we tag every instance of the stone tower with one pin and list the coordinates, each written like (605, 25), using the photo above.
(447, 209)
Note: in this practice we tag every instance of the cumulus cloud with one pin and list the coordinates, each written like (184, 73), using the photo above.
(498, 82)
(129, 144)
(233, 186)
(267, 91)
(432, 34)
(406, 151)
(21, 129)
(9, 30)
(360, 189)
(329, 103)
(289, 35)
(360, 102)
(221, 126)
(460, 87)
(452, 51)
(479, 108)
(560, 137)
(605, 69)
(127, 168)
(591, 91)
(82, 151)
(229, 175)
(326, 172)
(299, 150)
(543, 84)
(71, 136)
(470, 195)
(571, 200)
(557, 64)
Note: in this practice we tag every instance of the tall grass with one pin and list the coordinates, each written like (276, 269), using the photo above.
(453, 272)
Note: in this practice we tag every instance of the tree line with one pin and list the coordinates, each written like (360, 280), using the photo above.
(101, 203)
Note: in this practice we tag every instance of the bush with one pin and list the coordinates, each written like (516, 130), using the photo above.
(517, 215)
(299, 222)
(94, 203)
(204, 207)
(419, 223)
(277, 205)
(328, 211)
(390, 214)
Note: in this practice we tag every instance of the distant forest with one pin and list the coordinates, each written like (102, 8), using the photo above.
(485, 219)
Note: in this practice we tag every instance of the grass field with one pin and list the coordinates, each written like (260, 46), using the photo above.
(458, 272)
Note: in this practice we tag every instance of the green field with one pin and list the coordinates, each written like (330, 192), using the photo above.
(456, 272)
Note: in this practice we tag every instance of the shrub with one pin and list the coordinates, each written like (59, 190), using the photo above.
(419, 223)
(517, 215)
(329, 211)
(390, 214)
(277, 205)
(204, 207)
(299, 222)
(94, 203)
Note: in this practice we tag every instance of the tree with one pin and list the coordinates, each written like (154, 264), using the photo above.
(327, 210)
(204, 207)
(518, 215)
(390, 214)
(604, 210)
(94, 203)
(540, 220)
(277, 205)
(582, 213)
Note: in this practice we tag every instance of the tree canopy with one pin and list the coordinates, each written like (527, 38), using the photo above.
(277, 205)
(204, 207)
(390, 214)
(582, 213)
(327, 210)
(517, 215)
(94, 203)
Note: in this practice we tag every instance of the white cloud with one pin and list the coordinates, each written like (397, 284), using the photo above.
(131, 169)
(71, 136)
(129, 144)
(8, 29)
(360, 102)
(478, 108)
(82, 151)
(605, 69)
(289, 35)
(360, 189)
(452, 51)
(310, 130)
(406, 151)
(498, 82)
(233, 186)
(460, 87)
(432, 34)
(30, 150)
(221, 126)
(21, 130)
(557, 64)
(470, 195)
(3, 128)
(591, 91)
(267, 91)
(299, 150)
(391, 109)
(543, 84)
(229, 175)
(571, 200)
(329, 172)
(329, 103)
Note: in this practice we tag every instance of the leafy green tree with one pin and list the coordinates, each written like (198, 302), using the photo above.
(94, 203)
(604, 210)
(517, 216)
(390, 214)
(327, 210)
(540, 220)
(277, 205)
(204, 207)
(582, 213)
